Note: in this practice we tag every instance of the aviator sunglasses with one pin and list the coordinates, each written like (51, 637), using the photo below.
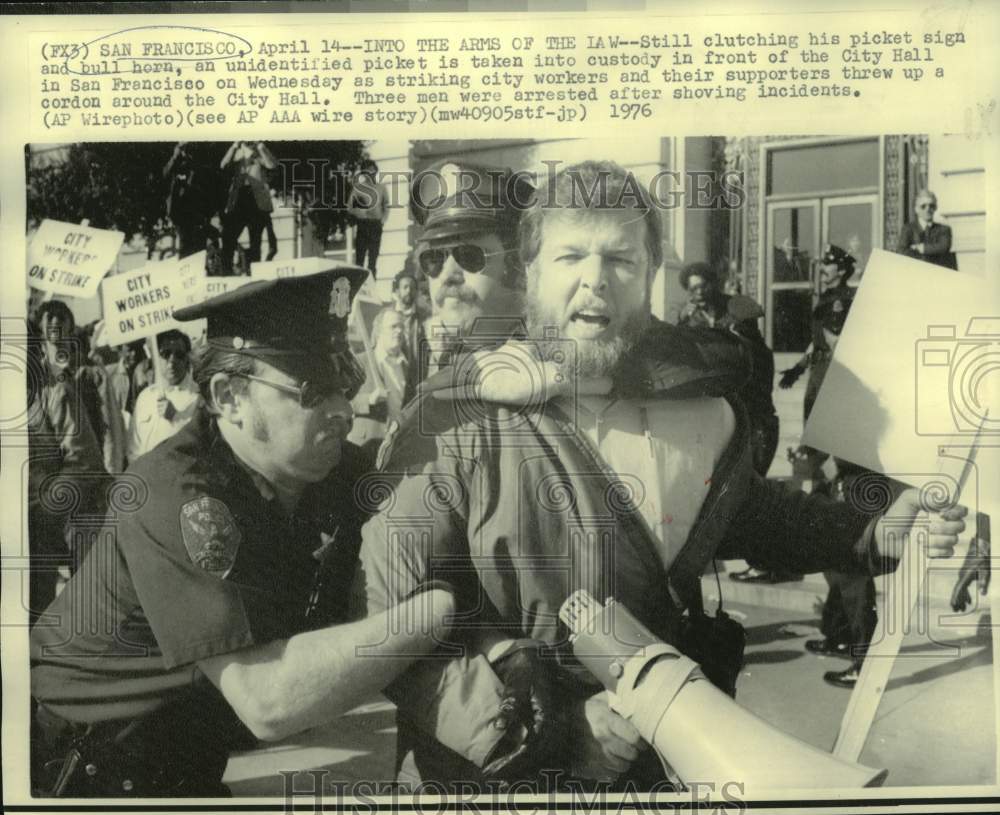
(310, 394)
(470, 257)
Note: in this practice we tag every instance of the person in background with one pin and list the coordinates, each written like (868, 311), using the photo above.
(405, 291)
(66, 353)
(188, 200)
(849, 616)
(64, 459)
(162, 410)
(710, 307)
(129, 376)
(923, 238)
(96, 389)
(380, 400)
(369, 204)
(249, 203)
(468, 253)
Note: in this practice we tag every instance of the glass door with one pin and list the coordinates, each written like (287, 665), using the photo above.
(850, 223)
(793, 243)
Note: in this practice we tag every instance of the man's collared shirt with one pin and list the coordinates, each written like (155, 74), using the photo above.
(147, 428)
(665, 450)
(393, 370)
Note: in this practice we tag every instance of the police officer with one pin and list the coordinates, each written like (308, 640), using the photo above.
(203, 620)
(468, 251)
(849, 616)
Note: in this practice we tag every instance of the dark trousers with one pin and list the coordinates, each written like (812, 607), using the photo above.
(763, 442)
(849, 614)
(245, 215)
(191, 237)
(368, 239)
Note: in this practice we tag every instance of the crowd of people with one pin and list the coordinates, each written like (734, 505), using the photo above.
(203, 220)
(318, 528)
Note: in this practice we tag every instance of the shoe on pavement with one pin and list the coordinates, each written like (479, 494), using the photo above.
(828, 648)
(843, 679)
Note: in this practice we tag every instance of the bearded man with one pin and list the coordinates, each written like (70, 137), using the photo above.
(626, 478)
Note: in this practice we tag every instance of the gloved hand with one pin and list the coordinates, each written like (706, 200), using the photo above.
(529, 715)
(975, 567)
(790, 376)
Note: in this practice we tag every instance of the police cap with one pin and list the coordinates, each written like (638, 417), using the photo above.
(838, 257)
(452, 198)
(297, 324)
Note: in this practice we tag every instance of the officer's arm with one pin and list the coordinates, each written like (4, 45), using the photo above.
(903, 244)
(287, 686)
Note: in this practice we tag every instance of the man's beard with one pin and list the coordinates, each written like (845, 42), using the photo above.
(594, 358)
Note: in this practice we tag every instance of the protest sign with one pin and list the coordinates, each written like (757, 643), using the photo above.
(293, 267)
(903, 379)
(191, 276)
(140, 303)
(69, 259)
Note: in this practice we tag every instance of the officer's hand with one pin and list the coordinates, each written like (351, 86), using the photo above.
(511, 374)
(789, 377)
(944, 528)
(603, 744)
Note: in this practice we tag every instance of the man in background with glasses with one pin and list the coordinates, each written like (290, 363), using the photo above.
(206, 617)
(923, 239)
(164, 409)
(469, 253)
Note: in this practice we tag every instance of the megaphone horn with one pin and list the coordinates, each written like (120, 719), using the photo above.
(696, 729)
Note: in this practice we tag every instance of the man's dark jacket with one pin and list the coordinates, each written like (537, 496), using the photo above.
(509, 507)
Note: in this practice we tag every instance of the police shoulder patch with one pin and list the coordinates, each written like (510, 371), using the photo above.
(210, 535)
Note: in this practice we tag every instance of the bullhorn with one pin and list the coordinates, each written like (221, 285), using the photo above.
(698, 732)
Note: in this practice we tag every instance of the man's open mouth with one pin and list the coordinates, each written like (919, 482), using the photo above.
(591, 318)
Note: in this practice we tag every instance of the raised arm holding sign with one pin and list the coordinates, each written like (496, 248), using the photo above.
(922, 410)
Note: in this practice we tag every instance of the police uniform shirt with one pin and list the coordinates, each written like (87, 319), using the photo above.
(829, 315)
(208, 564)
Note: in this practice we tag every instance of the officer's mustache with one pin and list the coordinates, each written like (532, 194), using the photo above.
(458, 291)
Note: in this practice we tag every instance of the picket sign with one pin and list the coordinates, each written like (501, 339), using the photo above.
(70, 259)
(905, 396)
(293, 267)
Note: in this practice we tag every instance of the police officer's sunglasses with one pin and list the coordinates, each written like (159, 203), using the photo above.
(470, 257)
(310, 394)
